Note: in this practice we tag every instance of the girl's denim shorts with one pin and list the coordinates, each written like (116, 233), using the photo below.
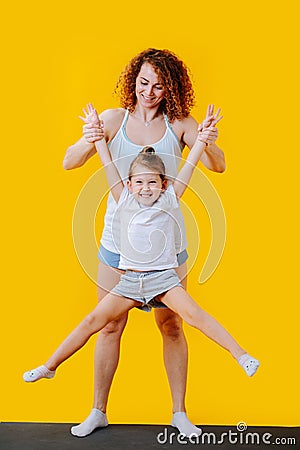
(144, 287)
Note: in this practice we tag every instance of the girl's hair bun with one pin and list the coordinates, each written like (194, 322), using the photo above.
(147, 157)
(148, 150)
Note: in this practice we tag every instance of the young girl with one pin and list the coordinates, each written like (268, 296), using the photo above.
(147, 235)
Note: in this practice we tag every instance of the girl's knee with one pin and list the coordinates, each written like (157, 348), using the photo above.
(90, 322)
(194, 316)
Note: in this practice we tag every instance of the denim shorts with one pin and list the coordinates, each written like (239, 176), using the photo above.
(144, 287)
(112, 259)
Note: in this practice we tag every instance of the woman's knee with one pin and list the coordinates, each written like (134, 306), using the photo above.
(115, 328)
(170, 325)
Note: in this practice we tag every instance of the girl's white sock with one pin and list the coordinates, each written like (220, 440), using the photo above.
(184, 425)
(37, 374)
(96, 419)
(249, 364)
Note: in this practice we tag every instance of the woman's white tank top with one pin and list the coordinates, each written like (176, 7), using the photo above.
(123, 151)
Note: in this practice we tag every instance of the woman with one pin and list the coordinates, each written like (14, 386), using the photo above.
(156, 98)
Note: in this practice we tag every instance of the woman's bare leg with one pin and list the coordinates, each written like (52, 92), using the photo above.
(176, 360)
(106, 357)
(175, 349)
(107, 349)
(175, 354)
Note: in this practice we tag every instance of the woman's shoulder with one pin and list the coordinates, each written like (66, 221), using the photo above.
(185, 123)
(112, 113)
(184, 126)
(112, 119)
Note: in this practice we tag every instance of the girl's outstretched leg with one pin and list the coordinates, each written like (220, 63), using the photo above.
(179, 301)
(110, 308)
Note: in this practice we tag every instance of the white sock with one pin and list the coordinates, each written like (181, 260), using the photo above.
(184, 425)
(37, 374)
(249, 364)
(95, 420)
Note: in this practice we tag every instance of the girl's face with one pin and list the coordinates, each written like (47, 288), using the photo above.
(149, 91)
(145, 186)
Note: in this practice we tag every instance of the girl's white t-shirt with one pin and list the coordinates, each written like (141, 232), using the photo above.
(145, 237)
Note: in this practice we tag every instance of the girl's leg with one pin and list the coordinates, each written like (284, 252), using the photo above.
(179, 301)
(109, 309)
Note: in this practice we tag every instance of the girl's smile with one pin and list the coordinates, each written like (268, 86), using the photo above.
(146, 187)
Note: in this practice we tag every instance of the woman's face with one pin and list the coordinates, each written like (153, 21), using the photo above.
(149, 91)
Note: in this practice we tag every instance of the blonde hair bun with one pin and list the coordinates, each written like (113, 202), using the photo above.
(148, 158)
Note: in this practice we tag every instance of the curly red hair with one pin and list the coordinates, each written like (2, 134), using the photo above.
(172, 74)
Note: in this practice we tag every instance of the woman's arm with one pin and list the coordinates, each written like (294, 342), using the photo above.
(78, 153)
(204, 138)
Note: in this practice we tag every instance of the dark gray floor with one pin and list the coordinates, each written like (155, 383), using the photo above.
(47, 436)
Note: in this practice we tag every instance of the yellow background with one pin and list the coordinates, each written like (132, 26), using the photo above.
(57, 57)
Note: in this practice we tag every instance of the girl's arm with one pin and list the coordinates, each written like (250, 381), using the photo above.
(186, 172)
(212, 157)
(114, 180)
(194, 156)
(112, 174)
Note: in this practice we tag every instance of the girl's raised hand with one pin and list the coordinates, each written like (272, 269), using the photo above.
(93, 129)
(211, 118)
(90, 115)
(208, 132)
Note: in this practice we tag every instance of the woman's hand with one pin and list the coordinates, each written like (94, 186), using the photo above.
(208, 132)
(93, 129)
(208, 135)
